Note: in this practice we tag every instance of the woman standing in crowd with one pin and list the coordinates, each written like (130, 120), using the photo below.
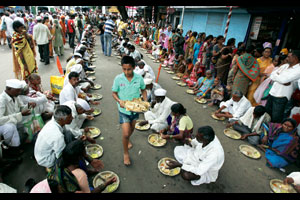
(190, 45)
(58, 39)
(63, 27)
(245, 71)
(216, 53)
(203, 50)
(263, 62)
(23, 52)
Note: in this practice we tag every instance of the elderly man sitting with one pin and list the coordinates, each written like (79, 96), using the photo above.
(251, 124)
(200, 159)
(142, 65)
(235, 107)
(12, 111)
(150, 88)
(51, 142)
(159, 112)
(79, 109)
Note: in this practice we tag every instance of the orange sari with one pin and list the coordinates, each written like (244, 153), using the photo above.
(63, 27)
(262, 67)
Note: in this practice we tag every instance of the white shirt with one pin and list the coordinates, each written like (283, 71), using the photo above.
(284, 75)
(238, 108)
(68, 93)
(41, 34)
(40, 100)
(49, 144)
(150, 94)
(9, 31)
(135, 54)
(74, 126)
(296, 177)
(20, 19)
(149, 69)
(203, 161)
(10, 111)
(162, 110)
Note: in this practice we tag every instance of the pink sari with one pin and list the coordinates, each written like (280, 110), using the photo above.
(259, 92)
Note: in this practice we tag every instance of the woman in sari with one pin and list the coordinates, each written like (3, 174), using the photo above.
(216, 52)
(58, 39)
(224, 61)
(63, 27)
(187, 36)
(68, 174)
(245, 70)
(283, 143)
(47, 23)
(263, 62)
(190, 47)
(170, 61)
(192, 79)
(202, 53)
(196, 50)
(180, 125)
(262, 92)
(23, 52)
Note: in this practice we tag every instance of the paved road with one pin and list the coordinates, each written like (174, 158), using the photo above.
(238, 174)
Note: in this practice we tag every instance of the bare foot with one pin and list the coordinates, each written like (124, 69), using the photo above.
(210, 104)
(130, 145)
(126, 159)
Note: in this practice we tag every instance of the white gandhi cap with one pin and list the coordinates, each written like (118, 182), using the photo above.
(160, 92)
(14, 83)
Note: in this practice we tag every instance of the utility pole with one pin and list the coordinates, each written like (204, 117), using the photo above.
(182, 16)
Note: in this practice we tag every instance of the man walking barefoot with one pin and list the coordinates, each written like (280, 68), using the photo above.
(127, 86)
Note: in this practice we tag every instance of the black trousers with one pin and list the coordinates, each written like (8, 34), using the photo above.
(72, 40)
(275, 108)
(44, 52)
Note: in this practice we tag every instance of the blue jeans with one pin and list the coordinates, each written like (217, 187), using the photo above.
(107, 44)
(102, 42)
(124, 118)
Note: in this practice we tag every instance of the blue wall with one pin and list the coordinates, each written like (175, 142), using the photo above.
(213, 22)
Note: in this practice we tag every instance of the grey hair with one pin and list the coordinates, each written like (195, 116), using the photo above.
(62, 112)
(209, 71)
(238, 93)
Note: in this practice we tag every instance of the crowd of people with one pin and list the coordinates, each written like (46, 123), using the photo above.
(258, 94)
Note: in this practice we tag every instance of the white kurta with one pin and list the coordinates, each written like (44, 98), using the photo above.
(158, 115)
(49, 144)
(205, 162)
(296, 177)
(77, 121)
(237, 109)
(150, 93)
(48, 106)
(68, 93)
(10, 116)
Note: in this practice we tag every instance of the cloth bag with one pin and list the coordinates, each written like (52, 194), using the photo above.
(56, 83)
(34, 125)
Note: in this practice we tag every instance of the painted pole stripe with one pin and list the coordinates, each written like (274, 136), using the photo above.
(228, 21)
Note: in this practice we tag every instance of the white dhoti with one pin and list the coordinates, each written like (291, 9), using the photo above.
(84, 85)
(155, 126)
(10, 134)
